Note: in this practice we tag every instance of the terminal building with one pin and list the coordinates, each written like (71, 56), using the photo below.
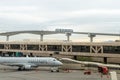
(90, 49)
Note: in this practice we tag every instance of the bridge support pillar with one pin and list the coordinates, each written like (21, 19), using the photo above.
(41, 37)
(68, 36)
(91, 36)
(7, 39)
(105, 60)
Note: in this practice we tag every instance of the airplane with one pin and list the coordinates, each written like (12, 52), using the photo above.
(26, 63)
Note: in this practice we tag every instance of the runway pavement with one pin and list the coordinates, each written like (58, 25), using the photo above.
(45, 74)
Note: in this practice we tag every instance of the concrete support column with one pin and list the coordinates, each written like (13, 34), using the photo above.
(75, 57)
(105, 60)
(68, 36)
(7, 39)
(41, 37)
(91, 36)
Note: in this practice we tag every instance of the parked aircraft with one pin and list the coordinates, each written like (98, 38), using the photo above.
(24, 63)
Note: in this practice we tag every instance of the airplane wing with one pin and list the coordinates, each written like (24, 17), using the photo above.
(90, 63)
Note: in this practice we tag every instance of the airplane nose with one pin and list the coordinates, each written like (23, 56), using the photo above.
(60, 63)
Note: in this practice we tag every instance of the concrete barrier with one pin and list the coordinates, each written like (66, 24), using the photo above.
(113, 75)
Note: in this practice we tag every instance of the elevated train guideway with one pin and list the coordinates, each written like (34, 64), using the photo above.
(67, 32)
(91, 49)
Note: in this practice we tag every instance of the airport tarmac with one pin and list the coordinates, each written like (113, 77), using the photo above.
(43, 73)
(47, 75)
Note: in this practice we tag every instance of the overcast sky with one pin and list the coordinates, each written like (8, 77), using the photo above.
(79, 15)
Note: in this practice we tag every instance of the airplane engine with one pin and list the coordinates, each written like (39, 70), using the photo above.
(27, 67)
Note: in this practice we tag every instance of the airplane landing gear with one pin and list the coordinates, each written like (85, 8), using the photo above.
(55, 69)
(21, 68)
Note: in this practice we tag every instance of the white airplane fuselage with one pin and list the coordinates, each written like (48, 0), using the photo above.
(29, 62)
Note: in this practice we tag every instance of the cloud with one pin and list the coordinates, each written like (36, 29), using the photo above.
(79, 15)
(16, 8)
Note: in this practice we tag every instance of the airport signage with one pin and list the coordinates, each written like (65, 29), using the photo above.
(64, 30)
